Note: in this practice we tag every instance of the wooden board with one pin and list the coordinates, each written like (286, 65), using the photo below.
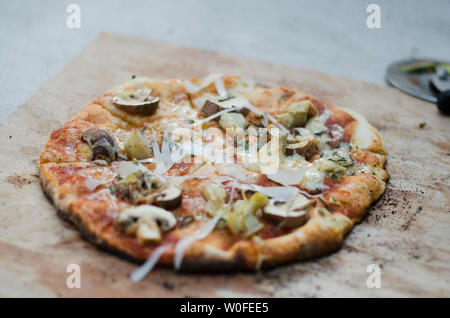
(406, 232)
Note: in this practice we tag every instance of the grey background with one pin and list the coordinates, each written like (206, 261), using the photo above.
(327, 36)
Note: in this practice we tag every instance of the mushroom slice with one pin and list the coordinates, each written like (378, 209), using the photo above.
(299, 134)
(169, 198)
(212, 107)
(286, 218)
(138, 102)
(306, 149)
(288, 215)
(148, 232)
(102, 143)
(141, 220)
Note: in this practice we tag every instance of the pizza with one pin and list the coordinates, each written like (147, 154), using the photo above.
(215, 174)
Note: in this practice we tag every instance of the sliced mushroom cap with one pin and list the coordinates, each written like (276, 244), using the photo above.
(299, 134)
(170, 198)
(102, 143)
(306, 149)
(164, 218)
(138, 102)
(288, 214)
(212, 107)
(141, 221)
(284, 217)
(148, 232)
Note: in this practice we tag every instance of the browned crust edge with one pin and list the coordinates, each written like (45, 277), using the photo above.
(281, 250)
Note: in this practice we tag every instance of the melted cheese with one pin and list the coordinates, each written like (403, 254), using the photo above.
(364, 133)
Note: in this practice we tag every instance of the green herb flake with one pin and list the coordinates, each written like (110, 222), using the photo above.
(225, 99)
(255, 124)
(284, 96)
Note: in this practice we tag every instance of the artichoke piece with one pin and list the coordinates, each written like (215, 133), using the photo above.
(297, 114)
(138, 187)
(330, 168)
(242, 221)
(215, 195)
(252, 225)
(137, 147)
(232, 120)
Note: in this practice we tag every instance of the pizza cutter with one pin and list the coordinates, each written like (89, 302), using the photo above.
(423, 78)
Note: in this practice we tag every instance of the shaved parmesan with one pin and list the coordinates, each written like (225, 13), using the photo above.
(199, 102)
(200, 234)
(200, 122)
(364, 133)
(273, 120)
(127, 167)
(191, 88)
(166, 153)
(160, 165)
(248, 85)
(92, 184)
(230, 200)
(287, 176)
(238, 102)
(146, 268)
(258, 112)
(279, 193)
(237, 172)
(147, 160)
(220, 87)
